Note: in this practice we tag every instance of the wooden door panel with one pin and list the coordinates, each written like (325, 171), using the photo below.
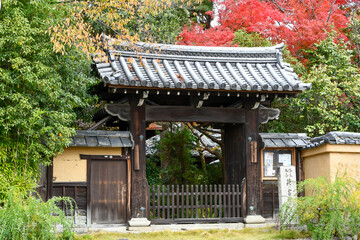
(108, 186)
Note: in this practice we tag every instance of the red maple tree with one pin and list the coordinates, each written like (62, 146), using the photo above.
(299, 24)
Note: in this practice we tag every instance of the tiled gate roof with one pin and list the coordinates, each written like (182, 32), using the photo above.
(193, 67)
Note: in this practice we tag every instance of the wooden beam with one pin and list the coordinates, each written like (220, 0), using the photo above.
(128, 193)
(50, 175)
(101, 122)
(191, 114)
(88, 195)
(181, 114)
(70, 184)
(104, 157)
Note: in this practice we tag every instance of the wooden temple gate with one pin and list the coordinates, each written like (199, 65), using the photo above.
(241, 144)
(228, 87)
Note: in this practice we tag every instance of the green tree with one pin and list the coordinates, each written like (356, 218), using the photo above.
(41, 92)
(123, 20)
(175, 156)
(162, 27)
(333, 103)
(242, 38)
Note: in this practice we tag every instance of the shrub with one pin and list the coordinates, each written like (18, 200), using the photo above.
(330, 209)
(178, 165)
(23, 216)
(10, 180)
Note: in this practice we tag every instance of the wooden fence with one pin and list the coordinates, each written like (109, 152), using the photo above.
(199, 203)
(270, 199)
(75, 190)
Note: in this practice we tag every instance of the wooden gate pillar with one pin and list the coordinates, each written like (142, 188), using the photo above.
(242, 160)
(253, 167)
(140, 191)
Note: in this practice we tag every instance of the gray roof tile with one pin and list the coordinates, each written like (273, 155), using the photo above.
(278, 142)
(79, 141)
(103, 141)
(285, 139)
(91, 141)
(289, 142)
(116, 141)
(193, 67)
(100, 138)
(335, 138)
(269, 143)
(301, 142)
(127, 141)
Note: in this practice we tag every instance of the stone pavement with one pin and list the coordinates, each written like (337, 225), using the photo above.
(169, 227)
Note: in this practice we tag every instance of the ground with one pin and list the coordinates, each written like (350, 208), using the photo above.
(244, 234)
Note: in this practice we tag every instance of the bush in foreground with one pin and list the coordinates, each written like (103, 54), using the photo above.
(23, 216)
(330, 209)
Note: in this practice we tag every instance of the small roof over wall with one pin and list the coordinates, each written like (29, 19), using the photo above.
(101, 138)
(280, 140)
(335, 138)
(149, 66)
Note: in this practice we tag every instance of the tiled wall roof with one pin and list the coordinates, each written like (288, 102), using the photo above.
(100, 138)
(335, 138)
(285, 139)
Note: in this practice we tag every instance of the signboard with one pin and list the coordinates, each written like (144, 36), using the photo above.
(285, 159)
(272, 159)
(269, 164)
(287, 184)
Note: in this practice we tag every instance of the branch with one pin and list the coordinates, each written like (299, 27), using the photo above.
(204, 132)
(313, 10)
(282, 9)
(331, 9)
(205, 147)
(69, 1)
(204, 125)
(105, 25)
(208, 130)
